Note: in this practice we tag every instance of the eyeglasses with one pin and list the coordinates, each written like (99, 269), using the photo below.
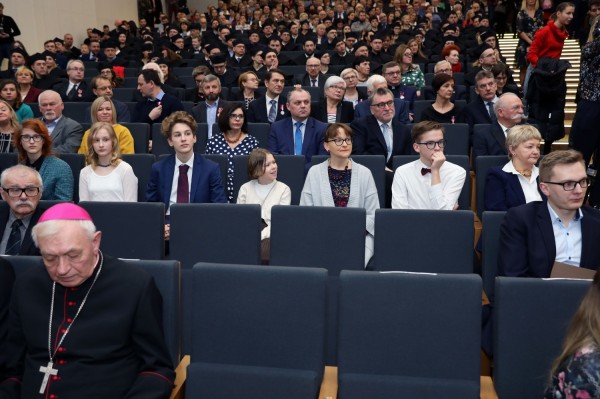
(393, 73)
(383, 105)
(77, 69)
(570, 185)
(408, 54)
(445, 70)
(339, 142)
(36, 138)
(236, 116)
(431, 144)
(313, 66)
(15, 192)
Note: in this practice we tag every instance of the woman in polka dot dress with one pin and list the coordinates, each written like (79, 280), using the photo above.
(232, 140)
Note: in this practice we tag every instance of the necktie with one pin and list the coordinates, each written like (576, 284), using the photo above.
(298, 138)
(490, 106)
(313, 82)
(183, 189)
(388, 139)
(73, 91)
(273, 111)
(14, 240)
(424, 171)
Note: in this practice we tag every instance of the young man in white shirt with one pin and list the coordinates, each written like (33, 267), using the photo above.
(429, 182)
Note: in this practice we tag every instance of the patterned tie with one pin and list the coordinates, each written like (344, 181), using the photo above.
(388, 139)
(273, 111)
(14, 240)
(298, 138)
(490, 106)
(183, 188)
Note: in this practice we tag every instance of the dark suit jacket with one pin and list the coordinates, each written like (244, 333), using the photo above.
(27, 245)
(66, 136)
(245, 61)
(281, 138)
(368, 138)
(406, 93)
(401, 108)
(84, 92)
(199, 111)
(489, 141)
(527, 246)
(503, 190)
(304, 80)
(476, 113)
(142, 109)
(345, 112)
(206, 181)
(7, 278)
(258, 113)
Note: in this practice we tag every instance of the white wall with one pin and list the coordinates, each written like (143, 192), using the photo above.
(42, 20)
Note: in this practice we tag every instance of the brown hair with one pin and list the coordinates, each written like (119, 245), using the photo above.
(40, 128)
(18, 100)
(257, 162)
(332, 131)
(566, 157)
(178, 117)
(421, 128)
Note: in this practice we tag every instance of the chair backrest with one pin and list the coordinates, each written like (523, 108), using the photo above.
(407, 335)
(8, 159)
(375, 163)
(490, 242)
(464, 199)
(418, 108)
(457, 139)
(291, 171)
(222, 161)
(530, 319)
(76, 110)
(199, 231)
(428, 241)
(141, 136)
(161, 146)
(294, 241)
(76, 163)
(261, 132)
(131, 230)
(242, 316)
(142, 168)
(483, 163)
(124, 94)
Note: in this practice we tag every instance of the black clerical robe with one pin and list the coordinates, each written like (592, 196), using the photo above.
(115, 347)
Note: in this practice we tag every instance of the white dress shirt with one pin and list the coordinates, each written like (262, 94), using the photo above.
(173, 197)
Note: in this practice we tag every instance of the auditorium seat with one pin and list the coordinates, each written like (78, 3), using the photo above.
(258, 332)
(141, 136)
(457, 139)
(482, 165)
(76, 110)
(409, 336)
(490, 242)
(429, 241)
(7, 159)
(76, 163)
(530, 319)
(142, 168)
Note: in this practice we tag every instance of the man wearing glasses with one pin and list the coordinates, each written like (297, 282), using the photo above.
(21, 189)
(560, 229)
(429, 182)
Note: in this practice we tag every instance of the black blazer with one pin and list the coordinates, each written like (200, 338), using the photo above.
(476, 112)
(199, 111)
(345, 112)
(304, 80)
(527, 245)
(368, 138)
(490, 141)
(258, 113)
(27, 245)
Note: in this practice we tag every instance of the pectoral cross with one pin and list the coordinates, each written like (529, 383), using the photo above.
(48, 370)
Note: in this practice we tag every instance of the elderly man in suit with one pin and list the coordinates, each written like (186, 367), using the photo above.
(313, 76)
(65, 132)
(508, 112)
(74, 89)
(209, 110)
(535, 235)
(299, 134)
(480, 109)
(22, 189)
(184, 177)
(272, 107)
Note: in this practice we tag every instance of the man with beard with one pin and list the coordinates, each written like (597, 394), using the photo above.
(65, 132)
(209, 110)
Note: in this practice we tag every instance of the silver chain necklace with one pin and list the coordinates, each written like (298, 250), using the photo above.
(48, 369)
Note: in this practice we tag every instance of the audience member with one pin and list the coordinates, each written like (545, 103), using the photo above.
(29, 93)
(65, 132)
(272, 108)
(209, 110)
(75, 88)
(443, 110)
(334, 108)
(9, 92)
(157, 104)
(9, 125)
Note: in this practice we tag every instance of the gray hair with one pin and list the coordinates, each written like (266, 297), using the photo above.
(53, 227)
(333, 80)
(374, 79)
(23, 169)
(211, 78)
(502, 100)
(380, 92)
(49, 93)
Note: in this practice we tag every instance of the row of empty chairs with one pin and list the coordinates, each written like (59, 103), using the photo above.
(261, 331)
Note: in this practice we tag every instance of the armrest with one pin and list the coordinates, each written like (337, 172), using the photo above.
(329, 386)
(180, 376)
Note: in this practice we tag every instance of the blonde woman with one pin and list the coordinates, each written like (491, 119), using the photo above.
(107, 177)
(9, 125)
(103, 110)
